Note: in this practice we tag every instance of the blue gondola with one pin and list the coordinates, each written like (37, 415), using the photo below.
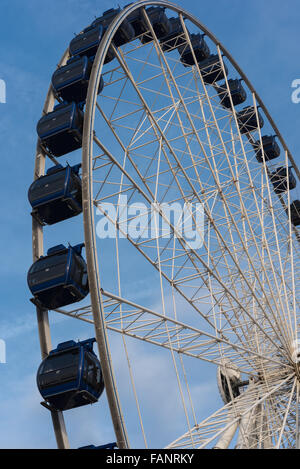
(237, 91)
(271, 148)
(60, 278)
(71, 376)
(107, 446)
(60, 131)
(71, 81)
(125, 32)
(159, 22)
(176, 36)
(247, 120)
(283, 180)
(200, 48)
(295, 212)
(137, 21)
(87, 42)
(56, 196)
(211, 69)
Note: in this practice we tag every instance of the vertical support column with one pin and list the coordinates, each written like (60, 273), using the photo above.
(42, 314)
(227, 437)
(45, 342)
(60, 430)
(246, 439)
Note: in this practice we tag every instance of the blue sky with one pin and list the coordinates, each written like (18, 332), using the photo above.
(263, 37)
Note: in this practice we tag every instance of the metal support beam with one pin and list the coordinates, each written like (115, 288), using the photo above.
(38, 251)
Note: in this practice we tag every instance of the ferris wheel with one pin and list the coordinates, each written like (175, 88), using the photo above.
(190, 215)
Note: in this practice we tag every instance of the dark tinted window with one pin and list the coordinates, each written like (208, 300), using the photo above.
(74, 184)
(70, 72)
(48, 269)
(59, 369)
(47, 185)
(92, 372)
(76, 271)
(61, 361)
(76, 189)
(49, 262)
(54, 120)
